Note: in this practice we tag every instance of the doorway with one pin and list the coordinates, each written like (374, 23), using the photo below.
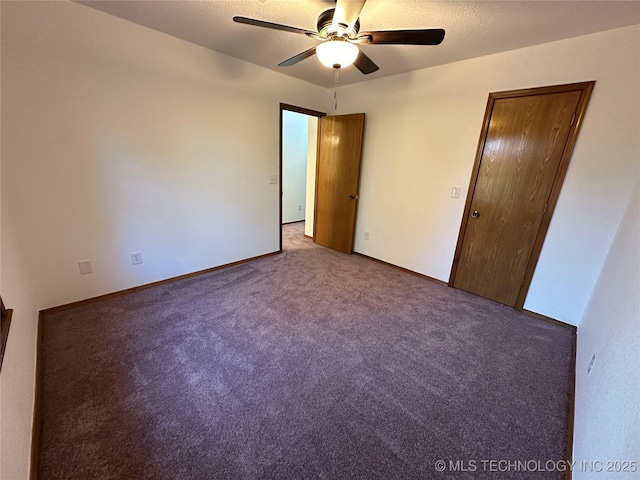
(332, 180)
(299, 129)
(523, 154)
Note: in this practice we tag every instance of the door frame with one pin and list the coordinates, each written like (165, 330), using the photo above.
(296, 109)
(585, 89)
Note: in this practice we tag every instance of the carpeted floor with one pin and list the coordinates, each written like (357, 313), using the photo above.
(308, 364)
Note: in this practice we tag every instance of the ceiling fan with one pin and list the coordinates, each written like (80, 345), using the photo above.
(339, 31)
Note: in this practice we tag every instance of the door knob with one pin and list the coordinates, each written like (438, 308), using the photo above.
(475, 214)
(353, 196)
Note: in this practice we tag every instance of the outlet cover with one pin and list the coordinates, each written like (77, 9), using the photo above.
(85, 267)
(273, 178)
(136, 258)
(367, 236)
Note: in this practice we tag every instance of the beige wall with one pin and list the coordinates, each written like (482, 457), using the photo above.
(116, 139)
(421, 135)
(607, 415)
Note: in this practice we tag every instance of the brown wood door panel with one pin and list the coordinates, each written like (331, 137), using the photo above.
(337, 179)
(525, 144)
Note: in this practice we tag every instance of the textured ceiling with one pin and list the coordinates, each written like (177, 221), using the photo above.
(474, 28)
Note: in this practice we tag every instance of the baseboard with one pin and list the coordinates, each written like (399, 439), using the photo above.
(291, 223)
(308, 236)
(35, 437)
(572, 373)
(66, 306)
(551, 320)
(35, 426)
(427, 277)
(572, 407)
(572, 385)
(35, 433)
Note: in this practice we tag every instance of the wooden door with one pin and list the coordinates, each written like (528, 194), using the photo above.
(523, 154)
(337, 179)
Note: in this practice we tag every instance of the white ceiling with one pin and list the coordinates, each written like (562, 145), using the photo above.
(474, 28)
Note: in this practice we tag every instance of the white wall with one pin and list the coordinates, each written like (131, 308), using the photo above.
(312, 150)
(295, 133)
(117, 138)
(607, 414)
(421, 135)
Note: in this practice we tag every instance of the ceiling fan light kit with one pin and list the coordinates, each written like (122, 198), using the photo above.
(337, 53)
(339, 31)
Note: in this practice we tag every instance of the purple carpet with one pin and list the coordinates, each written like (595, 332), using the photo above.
(307, 364)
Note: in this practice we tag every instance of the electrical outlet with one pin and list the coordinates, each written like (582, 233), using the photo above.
(590, 367)
(85, 267)
(367, 236)
(299, 207)
(136, 258)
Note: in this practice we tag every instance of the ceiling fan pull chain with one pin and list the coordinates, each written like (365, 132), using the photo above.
(335, 90)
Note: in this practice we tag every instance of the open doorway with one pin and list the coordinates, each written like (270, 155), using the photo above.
(298, 151)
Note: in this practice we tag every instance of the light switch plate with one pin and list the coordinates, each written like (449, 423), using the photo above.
(455, 192)
(273, 178)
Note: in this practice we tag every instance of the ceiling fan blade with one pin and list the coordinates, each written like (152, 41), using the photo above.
(429, 36)
(297, 58)
(365, 64)
(272, 26)
(316, 36)
(347, 13)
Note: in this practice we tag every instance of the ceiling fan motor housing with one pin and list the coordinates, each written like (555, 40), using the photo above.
(326, 28)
